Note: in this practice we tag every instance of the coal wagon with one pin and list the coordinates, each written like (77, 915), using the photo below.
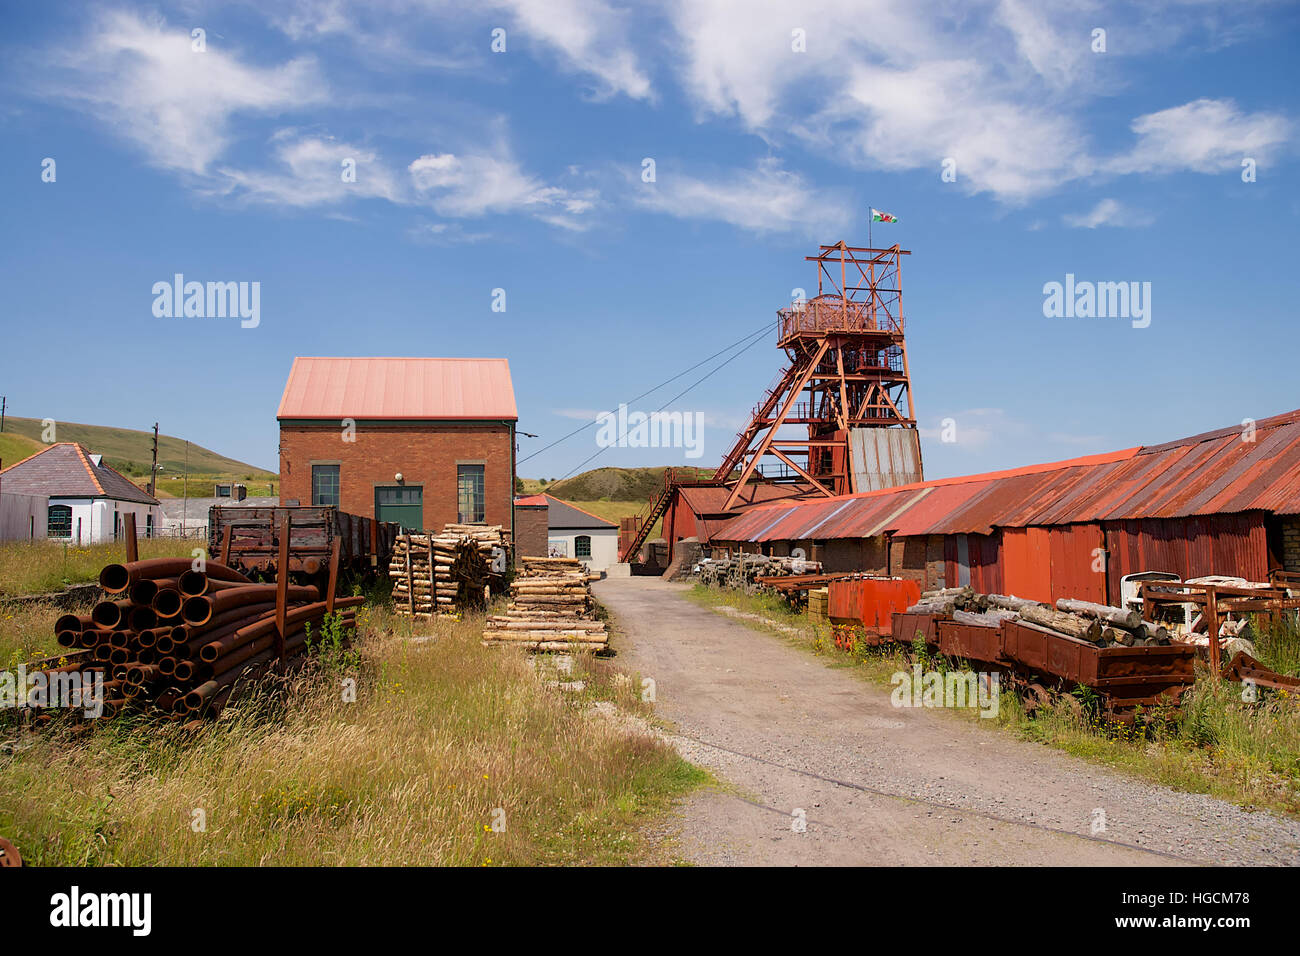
(249, 539)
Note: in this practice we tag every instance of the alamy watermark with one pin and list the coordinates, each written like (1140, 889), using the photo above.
(212, 300)
(1100, 300)
(624, 429)
(969, 689)
(52, 689)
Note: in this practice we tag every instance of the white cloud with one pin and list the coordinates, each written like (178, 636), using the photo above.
(981, 430)
(1056, 55)
(1000, 86)
(590, 36)
(1107, 212)
(1204, 136)
(312, 174)
(477, 184)
(176, 104)
(764, 198)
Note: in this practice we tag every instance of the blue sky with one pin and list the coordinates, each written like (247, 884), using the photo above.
(522, 170)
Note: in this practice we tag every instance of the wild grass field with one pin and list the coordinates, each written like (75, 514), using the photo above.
(1247, 753)
(451, 754)
(38, 567)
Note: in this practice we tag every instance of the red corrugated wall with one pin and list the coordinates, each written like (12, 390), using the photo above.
(1189, 547)
(982, 554)
(1078, 566)
(1027, 563)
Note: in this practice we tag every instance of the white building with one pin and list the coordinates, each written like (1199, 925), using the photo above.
(188, 517)
(86, 501)
(574, 533)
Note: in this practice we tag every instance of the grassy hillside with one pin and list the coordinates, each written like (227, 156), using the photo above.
(14, 447)
(608, 484)
(130, 451)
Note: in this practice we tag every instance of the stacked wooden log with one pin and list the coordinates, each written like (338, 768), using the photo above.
(173, 642)
(741, 571)
(550, 610)
(819, 604)
(947, 600)
(1098, 624)
(446, 572)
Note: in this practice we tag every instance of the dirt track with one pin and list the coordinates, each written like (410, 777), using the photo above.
(882, 785)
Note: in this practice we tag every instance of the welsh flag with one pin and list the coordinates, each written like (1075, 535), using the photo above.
(878, 216)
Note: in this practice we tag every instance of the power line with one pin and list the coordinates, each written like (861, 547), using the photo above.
(710, 358)
(688, 388)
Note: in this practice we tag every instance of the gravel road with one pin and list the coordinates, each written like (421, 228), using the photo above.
(880, 785)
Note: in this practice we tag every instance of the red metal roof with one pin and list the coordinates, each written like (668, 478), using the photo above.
(399, 389)
(1220, 472)
(532, 501)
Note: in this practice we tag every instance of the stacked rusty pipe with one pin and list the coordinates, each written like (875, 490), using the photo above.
(173, 641)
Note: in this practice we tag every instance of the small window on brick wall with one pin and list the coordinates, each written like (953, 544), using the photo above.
(470, 499)
(325, 485)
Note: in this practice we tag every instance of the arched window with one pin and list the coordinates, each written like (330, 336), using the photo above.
(58, 521)
(582, 546)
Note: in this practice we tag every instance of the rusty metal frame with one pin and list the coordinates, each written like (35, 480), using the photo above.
(848, 369)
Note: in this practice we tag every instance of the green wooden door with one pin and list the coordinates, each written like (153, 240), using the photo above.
(403, 504)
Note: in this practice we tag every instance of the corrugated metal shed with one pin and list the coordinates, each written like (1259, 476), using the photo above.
(1222, 472)
(428, 389)
(885, 457)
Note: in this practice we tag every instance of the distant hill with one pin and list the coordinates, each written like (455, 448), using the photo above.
(130, 451)
(14, 447)
(612, 484)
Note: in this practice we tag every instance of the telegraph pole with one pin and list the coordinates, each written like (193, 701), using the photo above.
(153, 471)
(3, 401)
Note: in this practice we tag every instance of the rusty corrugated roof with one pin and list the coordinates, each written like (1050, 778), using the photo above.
(399, 389)
(1221, 472)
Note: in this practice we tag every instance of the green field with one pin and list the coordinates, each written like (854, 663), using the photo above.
(14, 448)
(130, 451)
(602, 484)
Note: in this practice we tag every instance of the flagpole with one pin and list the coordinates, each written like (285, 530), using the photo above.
(871, 215)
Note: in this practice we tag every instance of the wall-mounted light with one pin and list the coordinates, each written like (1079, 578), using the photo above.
(397, 477)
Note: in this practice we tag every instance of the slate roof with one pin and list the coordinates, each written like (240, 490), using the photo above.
(65, 470)
(563, 516)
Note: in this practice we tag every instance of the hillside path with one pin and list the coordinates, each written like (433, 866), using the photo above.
(881, 785)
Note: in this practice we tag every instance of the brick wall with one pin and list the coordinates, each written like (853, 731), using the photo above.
(1291, 544)
(532, 529)
(426, 455)
(918, 559)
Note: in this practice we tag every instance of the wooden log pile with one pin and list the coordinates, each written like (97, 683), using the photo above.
(1098, 624)
(172, 642)
(444, 573)
(551, 609)
(741, 571)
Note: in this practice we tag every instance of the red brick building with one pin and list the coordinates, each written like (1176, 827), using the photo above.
(420, 441)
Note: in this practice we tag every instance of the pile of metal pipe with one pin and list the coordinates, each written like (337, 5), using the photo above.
(173, 641)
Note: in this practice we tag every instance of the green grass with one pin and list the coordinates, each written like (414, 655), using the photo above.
(201, 486)
(445, 738)
(39, 567)
(1245, 753)
(130, 451)
(14, 447)
(610, 484)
